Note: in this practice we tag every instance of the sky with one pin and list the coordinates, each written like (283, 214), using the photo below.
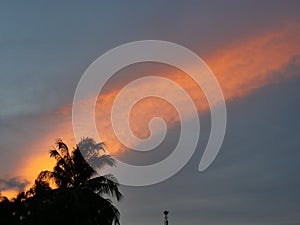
(253, 48)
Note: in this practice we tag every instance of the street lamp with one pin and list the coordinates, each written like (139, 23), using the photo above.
(166, 217)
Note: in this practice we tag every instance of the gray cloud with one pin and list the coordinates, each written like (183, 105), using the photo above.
(13, 183)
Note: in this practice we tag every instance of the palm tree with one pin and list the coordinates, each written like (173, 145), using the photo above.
(79, 197)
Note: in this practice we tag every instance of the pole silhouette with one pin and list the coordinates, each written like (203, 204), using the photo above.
(166, 222)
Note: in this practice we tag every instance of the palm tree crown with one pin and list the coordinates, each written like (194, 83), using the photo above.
(80, 190)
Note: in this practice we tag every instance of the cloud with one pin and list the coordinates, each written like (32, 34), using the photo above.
(17, 183)
(251, 63)
(253, 179)
(247, 45)
(240, 69)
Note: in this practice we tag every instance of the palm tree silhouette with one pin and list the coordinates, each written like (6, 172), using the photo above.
(79, 196)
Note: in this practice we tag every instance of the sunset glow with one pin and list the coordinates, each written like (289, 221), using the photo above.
(240, 69)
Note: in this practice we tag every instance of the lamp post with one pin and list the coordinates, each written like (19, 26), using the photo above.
(166, 217)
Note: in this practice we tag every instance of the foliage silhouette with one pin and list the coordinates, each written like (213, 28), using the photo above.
(80, 196)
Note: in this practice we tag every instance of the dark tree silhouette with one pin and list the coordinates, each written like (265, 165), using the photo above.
(6, 210)
(80, 191)
(81, 196)
(14, 211)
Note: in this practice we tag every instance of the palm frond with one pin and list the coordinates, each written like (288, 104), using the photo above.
(105, 185)
(101, 161)
(55, 154)
(89, 147)
(64, 160)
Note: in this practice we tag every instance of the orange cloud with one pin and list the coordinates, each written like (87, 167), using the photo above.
(240, 69)
(252, 63)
